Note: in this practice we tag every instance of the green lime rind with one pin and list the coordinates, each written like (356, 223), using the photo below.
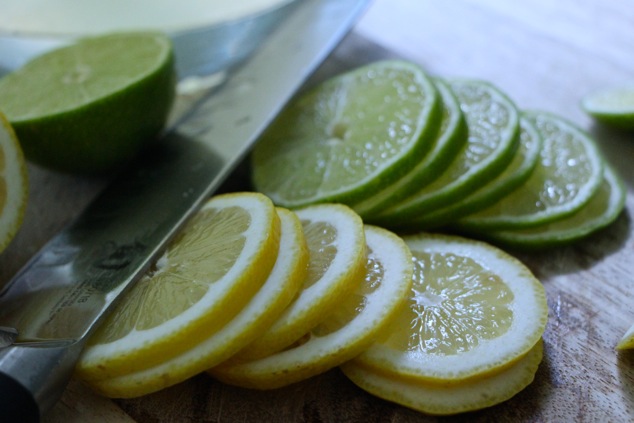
(493, 123)
(611, 106)
(602, 209)
(568, 174)
(350, 136)
(519, 170)
(451, 137)
(91, 106)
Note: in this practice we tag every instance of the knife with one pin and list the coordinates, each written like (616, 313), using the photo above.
(49, 309)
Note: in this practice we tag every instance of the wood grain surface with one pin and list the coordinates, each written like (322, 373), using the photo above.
(546, 55)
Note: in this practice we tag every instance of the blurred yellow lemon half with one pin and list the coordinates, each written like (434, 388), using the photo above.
(627, 342)
(357, 321)
(266, 305)
(208, 273)
(337, 256)
(13, 184)
(452, 399)
(473, 310)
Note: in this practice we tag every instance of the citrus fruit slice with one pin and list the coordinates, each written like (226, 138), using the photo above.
(602, 209)
(493, 122)
(344, 333)
(568, 174)
(336, 266)
(91, 106)
(208, 273)
(612, 106)
(267, 304)
(451, 138)
(13, 184)
(627, 342)
(513, 176)
(448, 400)
(473, 310)
(349, 136)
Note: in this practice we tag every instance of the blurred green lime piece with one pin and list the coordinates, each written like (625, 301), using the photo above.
(348, 137)
(91, 106)
(493, 122)
(611, 106)
(568, 174)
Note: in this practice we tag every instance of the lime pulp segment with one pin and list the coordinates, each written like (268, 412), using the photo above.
(568, 174)
(349, 136)
(513, 176)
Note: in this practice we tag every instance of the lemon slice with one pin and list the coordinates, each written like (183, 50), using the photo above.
(568, 174)
(613, 106)
(473, 310)
(493, 122)
(337, 256)
(349, 136)
(347, 331)
(13, 184)
(206, 276)
(451, 138)
(448, 400)
(518, 171)
(602, 209)
(92, 105)
(266, 305)
(627, 342)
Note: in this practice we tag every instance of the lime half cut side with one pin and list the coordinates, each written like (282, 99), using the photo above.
(568, 174)
(493, 122)
(91, 106)
(602, 209)
(524, 162)
(451, 137)
(611, 106)
(349, 136)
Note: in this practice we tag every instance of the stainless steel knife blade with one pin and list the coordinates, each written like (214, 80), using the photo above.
(59, 297)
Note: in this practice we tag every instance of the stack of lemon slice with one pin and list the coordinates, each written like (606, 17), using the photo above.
(262, 297)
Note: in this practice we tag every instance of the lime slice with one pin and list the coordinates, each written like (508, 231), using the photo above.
(493, 122)
(568, 174)
(91, 106)
(602, 209)
(450, 139)
(514, 175)
(611, 106)
(350, 136)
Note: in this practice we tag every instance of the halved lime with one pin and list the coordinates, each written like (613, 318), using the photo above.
(91, 106)
(348, 137)
(450, 139)
(514, 175)
(568, 174)
(493, 122)
(602, 209)
(613, 106)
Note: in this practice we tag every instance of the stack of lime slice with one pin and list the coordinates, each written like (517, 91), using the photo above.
(373, 139)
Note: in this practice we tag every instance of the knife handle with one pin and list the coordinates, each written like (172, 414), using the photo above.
(33, 376)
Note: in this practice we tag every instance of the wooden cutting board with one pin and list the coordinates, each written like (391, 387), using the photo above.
(545, 55)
